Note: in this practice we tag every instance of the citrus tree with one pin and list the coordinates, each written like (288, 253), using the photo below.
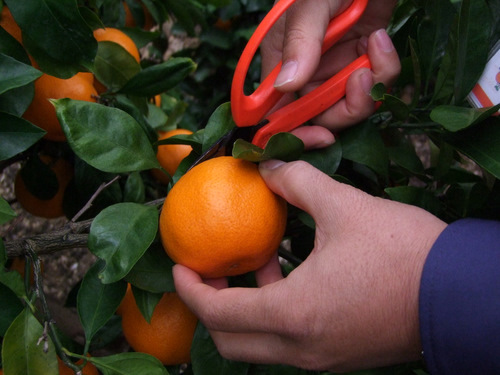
(85, 119)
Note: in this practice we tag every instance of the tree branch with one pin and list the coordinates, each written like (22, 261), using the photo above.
(71, 236)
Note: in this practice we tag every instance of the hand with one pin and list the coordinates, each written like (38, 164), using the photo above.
(352, 304)
(296, 39)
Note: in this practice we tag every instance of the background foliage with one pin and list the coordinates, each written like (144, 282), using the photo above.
(443, 46)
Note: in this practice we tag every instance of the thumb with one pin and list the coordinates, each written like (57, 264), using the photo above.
(307, 188)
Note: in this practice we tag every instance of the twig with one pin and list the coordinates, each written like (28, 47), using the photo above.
(93, 198)
(48, 322)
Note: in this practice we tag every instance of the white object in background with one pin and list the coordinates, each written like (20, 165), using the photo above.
(486, 92)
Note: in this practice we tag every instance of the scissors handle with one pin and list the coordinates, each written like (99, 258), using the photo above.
(249, 110)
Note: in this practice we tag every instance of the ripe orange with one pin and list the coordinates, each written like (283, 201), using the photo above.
(88, 369)
(111, 34)
(221, 219)
(170, 156)
(50, 208)
(130, 21)
(169, 335)
(42, 113)
(10, 25)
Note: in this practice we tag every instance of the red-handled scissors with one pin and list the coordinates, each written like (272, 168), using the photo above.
(251, 110)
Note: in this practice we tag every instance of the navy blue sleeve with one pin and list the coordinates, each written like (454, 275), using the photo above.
(459, 307)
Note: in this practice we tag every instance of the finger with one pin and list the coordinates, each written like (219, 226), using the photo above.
(241, 310)
(358, 103)
(269, 273)
(305, 27)
(309, 189)
(314, 136)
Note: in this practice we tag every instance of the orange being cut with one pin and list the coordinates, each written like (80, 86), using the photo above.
(221, 219)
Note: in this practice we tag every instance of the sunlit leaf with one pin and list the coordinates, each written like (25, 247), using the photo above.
(282, 146)
(104, 137)
(120, 235)
(22, 350)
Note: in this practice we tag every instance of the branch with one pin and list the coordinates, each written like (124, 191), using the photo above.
(71, 236)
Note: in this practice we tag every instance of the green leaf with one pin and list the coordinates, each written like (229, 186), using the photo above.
(363, 144)
(146, 302)
(153, 271)
(474, 30)
(6, 212)
(390, 103)
(11, 47)
(120, 235)
(282, 146)
(433, 34)
(326, 159)
(21, 351)
(10, 279)
(206, 360)
(454, 118)
(15, 74)
(129, 364)
(480, 143)
(114, 66)
(220, 123)
(16, 135)
(134, 190)
(55, 34)
(11, 308)
(17, 100)
(159, 78)
(97, 302)
(106, 138)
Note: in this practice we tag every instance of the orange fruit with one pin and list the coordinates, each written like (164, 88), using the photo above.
(221, 219)
(42, 113)
(10, 25)
(130, 21)
(111, 34)
(156, 100)
(48, 208)
(170, 156)
(88, 369)
(169, 335)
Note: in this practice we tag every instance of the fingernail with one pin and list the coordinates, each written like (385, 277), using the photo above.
(271, 164)
(383, 40)
(287, 73)
(366, 82)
